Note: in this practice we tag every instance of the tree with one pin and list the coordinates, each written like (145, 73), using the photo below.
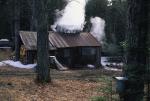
(52, 6)
(95, 8)
(33, 22)
(6, 18)
(137, 49)
(17, 28)
(116, 22)
(43, 71)
(148, 67)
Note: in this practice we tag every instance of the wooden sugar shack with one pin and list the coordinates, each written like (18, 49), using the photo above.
(76, 50)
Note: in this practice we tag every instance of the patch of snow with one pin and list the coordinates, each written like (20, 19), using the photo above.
(17, 64)
(4, 40)
(112, 69)
(104, 61)
(90, 66)
(2, 64)
(105, 64)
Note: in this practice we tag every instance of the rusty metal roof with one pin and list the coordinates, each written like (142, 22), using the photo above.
(78, 40)
(29, 40)
(56, 40)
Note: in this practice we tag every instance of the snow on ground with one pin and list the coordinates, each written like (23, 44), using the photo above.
(17, 64)
(2, 64)
(105, 62)
(112, 69)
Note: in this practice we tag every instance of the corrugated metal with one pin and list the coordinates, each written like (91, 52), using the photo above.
(29, 40)
(78, 40)
(56, 40)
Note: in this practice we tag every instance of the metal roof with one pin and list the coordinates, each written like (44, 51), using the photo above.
(77, 40)
(29, 40)
(56, 40)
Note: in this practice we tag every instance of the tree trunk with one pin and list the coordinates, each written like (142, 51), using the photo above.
(136, 53)
(148, 67)
(43, 72)
(33, 22)
(17, 28)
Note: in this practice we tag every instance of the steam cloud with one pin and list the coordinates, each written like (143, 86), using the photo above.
(98, 27)
(72, 18)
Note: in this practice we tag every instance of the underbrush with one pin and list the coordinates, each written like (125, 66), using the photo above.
(108, 89)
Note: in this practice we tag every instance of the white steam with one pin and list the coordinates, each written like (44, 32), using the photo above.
(72, 18)
(98, 27)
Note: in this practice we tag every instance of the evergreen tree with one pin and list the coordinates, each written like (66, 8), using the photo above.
(137, 49)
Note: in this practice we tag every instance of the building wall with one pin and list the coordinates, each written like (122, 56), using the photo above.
(79, 56)
(72, 57)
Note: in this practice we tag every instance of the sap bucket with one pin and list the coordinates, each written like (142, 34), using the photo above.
(120, 84)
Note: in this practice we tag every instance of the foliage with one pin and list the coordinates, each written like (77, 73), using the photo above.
(5, 18)
(137, 49)
(7, 15)
(115, 16)
(99, 98)
(112, 49)
(53, 5)
(106, 89)
(96, 8)
(116, 21)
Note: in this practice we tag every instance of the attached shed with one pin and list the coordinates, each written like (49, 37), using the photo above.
(76, 50)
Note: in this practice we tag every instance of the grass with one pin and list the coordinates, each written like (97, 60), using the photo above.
(108, 89)
(99, 98)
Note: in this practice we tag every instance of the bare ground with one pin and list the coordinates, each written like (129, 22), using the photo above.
(71, 85)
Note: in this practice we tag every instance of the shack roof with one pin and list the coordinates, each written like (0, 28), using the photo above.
(78, 40)
(29, 40)
(57, 40)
